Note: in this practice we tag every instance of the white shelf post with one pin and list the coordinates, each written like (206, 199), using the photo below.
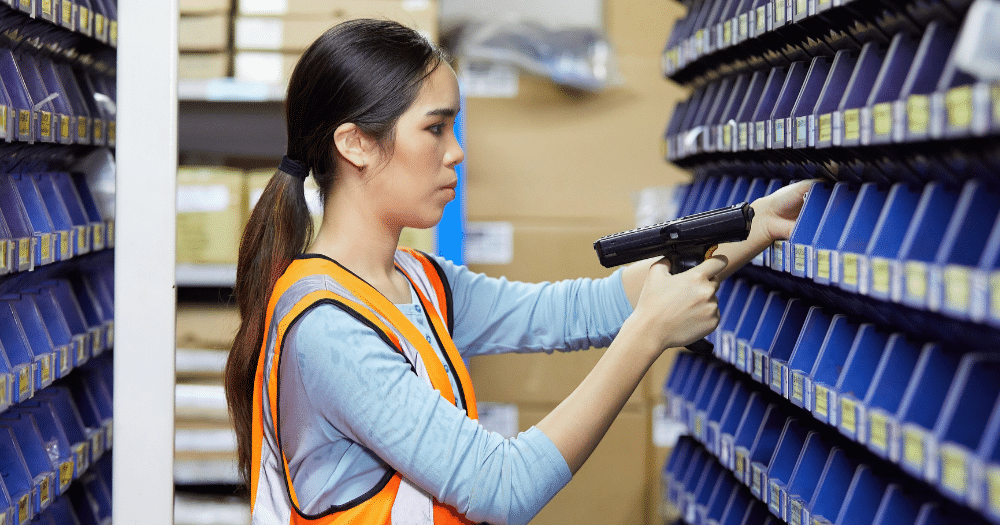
(145, 246)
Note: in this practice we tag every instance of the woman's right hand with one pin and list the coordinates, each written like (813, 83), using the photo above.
(677, 310)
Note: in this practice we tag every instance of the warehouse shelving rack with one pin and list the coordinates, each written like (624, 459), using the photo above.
(855, 373)
(57, 234)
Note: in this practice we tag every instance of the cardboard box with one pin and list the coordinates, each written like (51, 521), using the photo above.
(550, 153)
(545, 250)
(208, 327)
(421, 14)
(203, 33)
(204, 441)
(295, 33)
(611, 487)
(203, 65)
(536, 378)
(205, 7)
(209, 214)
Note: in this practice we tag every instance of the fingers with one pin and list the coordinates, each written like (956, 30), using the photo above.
(712, 266)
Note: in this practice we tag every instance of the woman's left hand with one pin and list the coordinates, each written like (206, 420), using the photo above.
(778, 211)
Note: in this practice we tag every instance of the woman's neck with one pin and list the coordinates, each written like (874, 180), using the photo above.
(364, 247)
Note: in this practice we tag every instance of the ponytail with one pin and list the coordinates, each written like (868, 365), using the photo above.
(279, 228)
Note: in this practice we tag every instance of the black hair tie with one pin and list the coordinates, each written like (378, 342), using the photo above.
(294, 168)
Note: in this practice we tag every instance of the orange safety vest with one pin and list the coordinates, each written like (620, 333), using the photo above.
(315, 280)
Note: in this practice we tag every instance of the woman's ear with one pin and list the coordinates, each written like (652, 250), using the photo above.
(353, 144)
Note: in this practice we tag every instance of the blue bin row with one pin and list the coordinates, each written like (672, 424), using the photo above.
(697, 485)
(915, 403)
(910, 90)
(42, 100)
(790, 474)
(97, 19)
(48, 217)
(53, 439)
(712, 26)
(933, 247)
(727, 34)
(49, 329)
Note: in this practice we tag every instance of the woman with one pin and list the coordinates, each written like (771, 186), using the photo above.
(346, 380)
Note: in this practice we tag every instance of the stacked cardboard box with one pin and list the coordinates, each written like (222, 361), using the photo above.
(269, 36)
(204, 38)
(210, 214)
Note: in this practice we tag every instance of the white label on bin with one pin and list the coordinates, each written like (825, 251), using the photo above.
(918, 113)
(44, 491)
(259, 33)
(878, 431)
(776, 375)
(45, 368)
(799, 258)
(24, 386)
(852, 124)
(882, 118)
(823, 264)
(957, 287)
(916, 279)
(958, 102)
(848, 419)
(24, 508)
(24, 123)
(993, 489)
(849, 272)
(954, 469)
(4, 390)
(84, 14)
(779, 12)
(800, 129)
(913, 448)
(67, 12)
(65, 250)
(798, 388)
(66, 472)
(822, 396)
(825, 128)
(196, 198)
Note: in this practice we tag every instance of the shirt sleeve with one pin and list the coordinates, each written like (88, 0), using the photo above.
(367, 391)
(494, 315)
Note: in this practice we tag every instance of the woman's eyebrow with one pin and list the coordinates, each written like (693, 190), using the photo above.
(443, 112)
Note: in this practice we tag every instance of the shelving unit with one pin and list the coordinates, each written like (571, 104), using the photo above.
(57, 234)
(855, 370)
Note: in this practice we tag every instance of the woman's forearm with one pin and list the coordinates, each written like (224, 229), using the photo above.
(579, 423)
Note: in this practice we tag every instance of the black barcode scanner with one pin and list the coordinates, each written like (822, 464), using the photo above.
(685, 242)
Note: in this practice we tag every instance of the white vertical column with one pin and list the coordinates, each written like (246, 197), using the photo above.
(145, 297)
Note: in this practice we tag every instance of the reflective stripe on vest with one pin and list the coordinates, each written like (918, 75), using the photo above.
(315, 280)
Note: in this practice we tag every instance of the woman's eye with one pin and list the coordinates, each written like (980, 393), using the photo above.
(436, 129)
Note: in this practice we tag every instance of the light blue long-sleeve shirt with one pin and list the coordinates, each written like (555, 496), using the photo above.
(351, 407)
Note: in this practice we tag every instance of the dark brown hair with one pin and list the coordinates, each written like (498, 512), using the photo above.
(366, 72)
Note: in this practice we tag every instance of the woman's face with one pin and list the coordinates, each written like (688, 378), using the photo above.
(419, 179)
